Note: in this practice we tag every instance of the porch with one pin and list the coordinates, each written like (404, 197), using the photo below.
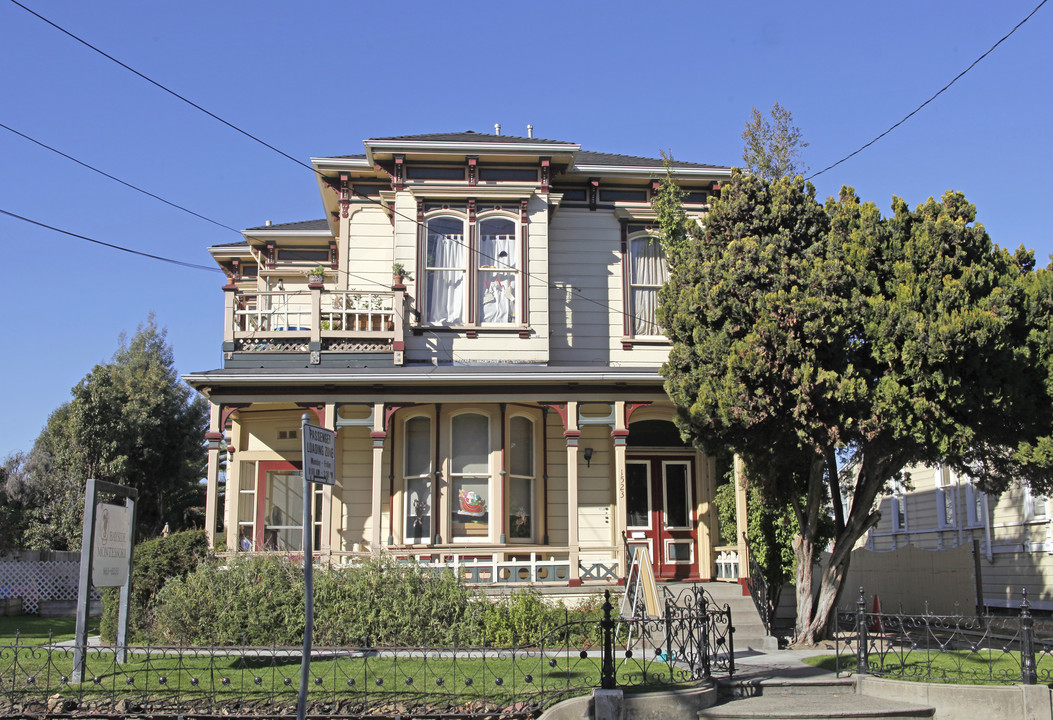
(313, 326)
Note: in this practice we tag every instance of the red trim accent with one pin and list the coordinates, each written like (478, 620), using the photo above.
(377, 435)
(332, 253)
(390, 409)
(398, 178)
(471, 334)
(630, 408)
(398, 345)
(571, 434)
(745, 587)
(619, 434)
(268, 252)
(524, 334)
(574, 582)
(560, 408)
(472, 163)
(317, 409)
(594, 192)
(214, 436)
(627, 345)
(225, 411)
(345, 199)
(546, 164)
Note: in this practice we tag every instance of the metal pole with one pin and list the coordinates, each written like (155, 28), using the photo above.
(1028, 670)
(861, 633)
(126, 590)
(607, 675)
(308, 577)
(80, 641)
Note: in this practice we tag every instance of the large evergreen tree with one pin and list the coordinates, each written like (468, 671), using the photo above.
(803, 334)
(131, 421)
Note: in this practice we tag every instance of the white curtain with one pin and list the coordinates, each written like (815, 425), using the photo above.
(649, 273)
(445, 283)
(497, 290)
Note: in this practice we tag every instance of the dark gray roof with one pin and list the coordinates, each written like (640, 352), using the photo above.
(322, 224)
(243, 243)
(587, 157)
(472, 136)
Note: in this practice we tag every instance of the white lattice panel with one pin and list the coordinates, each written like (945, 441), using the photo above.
(40, 580)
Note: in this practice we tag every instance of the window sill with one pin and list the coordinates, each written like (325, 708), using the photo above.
(648, 340)
(473, 331)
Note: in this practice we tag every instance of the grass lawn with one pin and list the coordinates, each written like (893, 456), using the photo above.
(33, 630)
(982, 667)
(186, 675)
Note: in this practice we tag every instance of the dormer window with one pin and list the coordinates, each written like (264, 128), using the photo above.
(489, 294)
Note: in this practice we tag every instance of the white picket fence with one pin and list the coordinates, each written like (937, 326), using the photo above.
(37, 581)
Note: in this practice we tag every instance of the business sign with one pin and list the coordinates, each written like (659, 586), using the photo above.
(319, 454)
(111, 546)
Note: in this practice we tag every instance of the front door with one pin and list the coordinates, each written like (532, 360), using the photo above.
(661, 514)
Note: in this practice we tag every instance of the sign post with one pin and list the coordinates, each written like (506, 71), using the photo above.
(319, 466)
(105, 561)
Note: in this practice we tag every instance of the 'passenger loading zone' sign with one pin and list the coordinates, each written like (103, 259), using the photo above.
(319, 454)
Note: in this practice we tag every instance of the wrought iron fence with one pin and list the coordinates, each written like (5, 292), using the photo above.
(692, 642)
(988, 648)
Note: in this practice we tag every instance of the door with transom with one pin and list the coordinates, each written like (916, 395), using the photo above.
(661, 514)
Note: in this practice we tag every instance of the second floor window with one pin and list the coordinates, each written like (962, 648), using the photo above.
(471, 278)
(647, 274)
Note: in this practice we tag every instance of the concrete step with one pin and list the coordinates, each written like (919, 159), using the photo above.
(813, 706)
(781, 685)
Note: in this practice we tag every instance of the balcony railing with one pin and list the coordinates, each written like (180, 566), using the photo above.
(314, 320)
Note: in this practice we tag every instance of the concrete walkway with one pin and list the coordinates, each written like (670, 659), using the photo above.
(778, 685)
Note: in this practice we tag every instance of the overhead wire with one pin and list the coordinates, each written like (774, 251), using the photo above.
(313, 169)
(938, 93)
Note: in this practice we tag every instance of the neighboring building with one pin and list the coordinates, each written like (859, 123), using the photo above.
(500, 403)
(940, 509)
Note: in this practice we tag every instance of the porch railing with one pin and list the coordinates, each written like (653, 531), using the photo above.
(314, 319)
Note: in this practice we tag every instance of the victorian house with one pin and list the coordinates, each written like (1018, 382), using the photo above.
(474, 315)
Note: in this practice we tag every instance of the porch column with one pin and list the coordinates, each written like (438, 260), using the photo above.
(571, 434)
(378, 435)
(741, 519)
(620, 436)
(326, 545)
(214, 437)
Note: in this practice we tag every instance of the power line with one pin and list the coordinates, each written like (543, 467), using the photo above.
(314, 170)
(115, 179)
(941, 90)
(192, 266)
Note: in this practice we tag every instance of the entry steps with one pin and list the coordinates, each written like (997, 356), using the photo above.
(804, 699)
(749, 630)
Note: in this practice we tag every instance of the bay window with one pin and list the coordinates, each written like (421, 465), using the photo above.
(470, 477)
(496, 278)
(417, 474)
(445, 270)
(521, 475)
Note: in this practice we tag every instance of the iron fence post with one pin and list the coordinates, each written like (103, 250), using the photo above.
(607, 677)
(1028, 671)
(862, 641)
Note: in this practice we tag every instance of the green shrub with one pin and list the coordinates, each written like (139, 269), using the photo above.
(252, 600)
(154, 563)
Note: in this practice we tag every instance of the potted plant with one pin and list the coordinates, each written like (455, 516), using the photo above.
(399, 271)
(316, 275)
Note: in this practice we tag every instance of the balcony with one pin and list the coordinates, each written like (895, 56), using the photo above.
(313, 326)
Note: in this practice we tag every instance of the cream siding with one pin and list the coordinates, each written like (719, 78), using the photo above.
(585, 257)
(352, 495)
(367, 264)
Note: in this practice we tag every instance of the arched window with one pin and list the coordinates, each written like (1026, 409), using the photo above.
(470, 476)
(522, 515)
(497, 278)
(445, 268)
(417, 474)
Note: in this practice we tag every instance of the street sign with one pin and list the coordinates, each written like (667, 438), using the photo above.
(319, 454)
(109, 551)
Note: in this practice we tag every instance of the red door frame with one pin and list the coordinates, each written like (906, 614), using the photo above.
(659, 536)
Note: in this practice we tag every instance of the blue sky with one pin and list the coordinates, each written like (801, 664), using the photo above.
(315, 79)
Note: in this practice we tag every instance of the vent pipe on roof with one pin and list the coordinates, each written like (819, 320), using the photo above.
(268, 223)
(530, 131)
(497, 128)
